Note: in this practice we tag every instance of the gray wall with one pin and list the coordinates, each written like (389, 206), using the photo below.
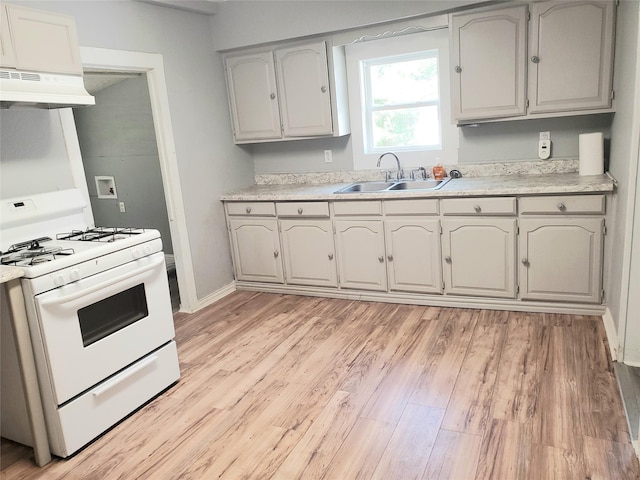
(208, 162)
(621, 154)
(33, 154)
(117, 138)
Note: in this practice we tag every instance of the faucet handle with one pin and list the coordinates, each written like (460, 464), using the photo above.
(387, 175)
(421, 170)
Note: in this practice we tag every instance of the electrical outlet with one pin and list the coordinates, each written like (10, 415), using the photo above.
(544, 149)
(122, 209)
(545, 136)
(328, 156)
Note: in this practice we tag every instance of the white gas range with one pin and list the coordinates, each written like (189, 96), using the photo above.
(99, 314)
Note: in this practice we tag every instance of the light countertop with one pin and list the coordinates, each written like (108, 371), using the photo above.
(8, 273)
(548, 184)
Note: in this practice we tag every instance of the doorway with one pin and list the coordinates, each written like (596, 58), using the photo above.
(134, 65)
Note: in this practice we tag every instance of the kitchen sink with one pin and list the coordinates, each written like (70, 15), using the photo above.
(375, 187)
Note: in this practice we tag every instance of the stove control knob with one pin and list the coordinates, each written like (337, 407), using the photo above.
(136, 253)
(147, 249)
(74, 276)
(58, 280)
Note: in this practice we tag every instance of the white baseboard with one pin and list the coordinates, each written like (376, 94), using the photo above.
(212, 297)
(612, 334)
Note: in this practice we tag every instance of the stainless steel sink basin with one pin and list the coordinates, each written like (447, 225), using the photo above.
(362, 187)
(429, 184)
(375, 187)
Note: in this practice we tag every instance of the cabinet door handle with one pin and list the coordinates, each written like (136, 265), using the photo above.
(248, 210)
(525, 262)
(477, 208)
(381, 259)
(562, 207)
(300, 211)
(390, 258)
(331, 256)
(535, 59)
(275, 254)
(323, 89)
(458, 69)
(447, 259)
(272, 96)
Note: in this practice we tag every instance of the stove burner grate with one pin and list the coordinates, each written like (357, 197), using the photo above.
(34, 256)
(99, 234)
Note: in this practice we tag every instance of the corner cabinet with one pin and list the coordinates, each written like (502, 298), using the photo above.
(287, 92)
(498, 76)
(38, 41)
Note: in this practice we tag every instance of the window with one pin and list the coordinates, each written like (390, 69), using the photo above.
(399, 100)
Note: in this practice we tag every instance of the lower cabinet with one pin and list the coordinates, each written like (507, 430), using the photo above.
(479, 256)
(360, 248)
(308, 252)
(256, 249)
(561, 259)
(413, 255)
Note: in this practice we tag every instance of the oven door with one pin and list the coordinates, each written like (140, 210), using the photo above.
(97, 326)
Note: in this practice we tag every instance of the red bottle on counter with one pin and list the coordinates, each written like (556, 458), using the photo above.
(439, 172)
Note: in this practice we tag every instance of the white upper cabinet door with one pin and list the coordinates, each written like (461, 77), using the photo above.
(413, 255)
(305, 97)
(570, 64)
(308, 252)
(7, 56)
(43, 41)
(561, 259)
(253, 96)
(488, 52)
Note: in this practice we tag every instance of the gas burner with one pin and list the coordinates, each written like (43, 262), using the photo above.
(100, 234)
(28, 245)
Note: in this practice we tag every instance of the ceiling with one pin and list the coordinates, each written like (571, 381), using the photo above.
(207, 7)
(96, 81)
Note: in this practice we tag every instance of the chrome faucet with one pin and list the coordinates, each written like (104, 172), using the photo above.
(400, 174)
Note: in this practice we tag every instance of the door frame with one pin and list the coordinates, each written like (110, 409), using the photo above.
(152, 65)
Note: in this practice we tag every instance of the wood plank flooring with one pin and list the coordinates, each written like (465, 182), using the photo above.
(287, 387)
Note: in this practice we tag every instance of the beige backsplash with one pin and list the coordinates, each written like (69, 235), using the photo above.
(566, 165)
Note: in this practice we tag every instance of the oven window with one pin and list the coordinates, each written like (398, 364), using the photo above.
(112, 314)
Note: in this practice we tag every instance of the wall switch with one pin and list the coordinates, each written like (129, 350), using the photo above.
(328, 156)
(544, 149)
(121, 205)
(545, 135)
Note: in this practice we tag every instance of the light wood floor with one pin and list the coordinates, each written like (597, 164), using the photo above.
(287, 387)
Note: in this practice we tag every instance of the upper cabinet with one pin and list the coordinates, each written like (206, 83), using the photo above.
(566, 68)
(489, 51)
(296, 91)
(571, 56)
(38, 41)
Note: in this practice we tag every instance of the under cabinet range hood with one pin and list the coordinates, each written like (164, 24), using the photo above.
(20, 89)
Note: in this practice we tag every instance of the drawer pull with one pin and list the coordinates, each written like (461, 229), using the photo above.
(248, 210)
(275, 254)
(390, 258)
(525, 262)
(300, 211)
(477, 208)
(447, 259)
(331, 256)
(562, 207)
(381, 259)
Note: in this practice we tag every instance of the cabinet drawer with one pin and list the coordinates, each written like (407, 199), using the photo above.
(479, 206)
(364, 207)
(303, 209)
(563, 204)
(265, 209)
(411, 207)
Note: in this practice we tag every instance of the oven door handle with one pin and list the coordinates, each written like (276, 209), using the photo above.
(108, 283)
(118, 379)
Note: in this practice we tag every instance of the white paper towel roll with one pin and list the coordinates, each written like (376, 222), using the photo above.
(591, 151)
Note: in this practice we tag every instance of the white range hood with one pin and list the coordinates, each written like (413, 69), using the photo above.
(19, 89)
